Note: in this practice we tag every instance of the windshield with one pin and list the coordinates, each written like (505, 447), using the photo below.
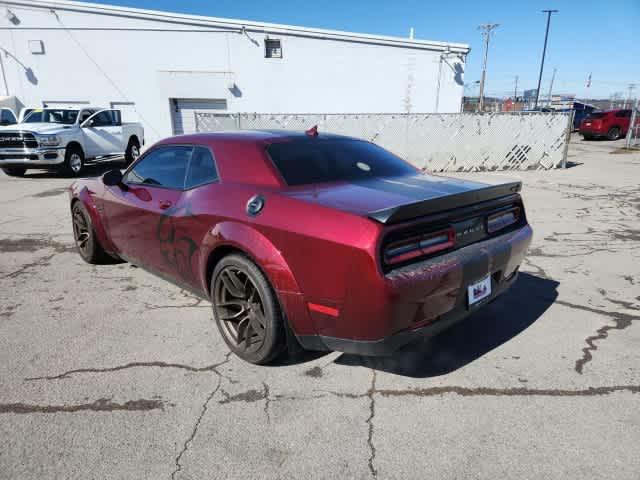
(301, 162)
(52, 115)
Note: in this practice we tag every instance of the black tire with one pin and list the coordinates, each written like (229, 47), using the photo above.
(246, 310)
(132, 152)
(14, 171)
(84, 236)
(613, 133)
(73, 161)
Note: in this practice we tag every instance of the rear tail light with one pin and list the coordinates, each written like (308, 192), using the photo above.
(501, 220)
(404, 250)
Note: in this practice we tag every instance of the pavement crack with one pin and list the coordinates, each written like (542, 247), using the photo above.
(208, 368)
(372, 412)
(509, 392)
(42, 262)
(100, 405)
(267, 401)
(621, 321)
(194, 431)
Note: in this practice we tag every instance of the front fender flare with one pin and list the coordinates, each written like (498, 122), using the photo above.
(85, 196)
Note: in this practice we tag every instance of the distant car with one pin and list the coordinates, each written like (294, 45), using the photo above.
(67, 139)
(329, 240)
(610, 124)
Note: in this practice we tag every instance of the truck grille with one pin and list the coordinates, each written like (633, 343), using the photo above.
(17, 140)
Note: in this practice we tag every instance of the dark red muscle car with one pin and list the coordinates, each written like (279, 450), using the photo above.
(324, 239)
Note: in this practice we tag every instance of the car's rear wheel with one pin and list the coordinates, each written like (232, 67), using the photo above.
(587, 137)
(133, 152)
(73, 161)
(613, 133)
(246, 310)
(14, 171)
(84, 235)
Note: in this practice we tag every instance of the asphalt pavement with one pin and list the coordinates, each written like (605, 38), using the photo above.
(107, 372)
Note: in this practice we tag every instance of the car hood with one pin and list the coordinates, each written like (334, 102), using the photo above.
(43, 127)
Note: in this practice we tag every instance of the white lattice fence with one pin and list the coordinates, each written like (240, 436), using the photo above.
(439, 142)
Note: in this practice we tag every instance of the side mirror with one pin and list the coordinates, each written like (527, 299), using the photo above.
(113, 178)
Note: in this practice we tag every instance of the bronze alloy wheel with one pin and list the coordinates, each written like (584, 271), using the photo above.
(82, 233)
(240, 309)
(247, 310)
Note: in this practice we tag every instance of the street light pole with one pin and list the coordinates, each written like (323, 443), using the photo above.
(486, 28)
(544, 52)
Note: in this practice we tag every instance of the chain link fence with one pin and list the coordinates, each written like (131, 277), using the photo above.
(633, 134)
(464, 142)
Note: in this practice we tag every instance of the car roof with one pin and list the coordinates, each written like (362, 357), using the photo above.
(250, 136)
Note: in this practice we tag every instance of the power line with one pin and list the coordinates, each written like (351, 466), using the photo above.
(487, 29)
(544, 52)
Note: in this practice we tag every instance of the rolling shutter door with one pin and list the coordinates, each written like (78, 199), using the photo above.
(183, 112)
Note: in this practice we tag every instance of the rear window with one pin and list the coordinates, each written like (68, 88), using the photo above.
(597, 115)
(301, 162)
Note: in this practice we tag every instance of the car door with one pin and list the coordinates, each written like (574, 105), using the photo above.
(139, 216)
(192, 218)
(102, 134)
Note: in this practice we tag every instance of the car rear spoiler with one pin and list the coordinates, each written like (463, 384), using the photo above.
(409, 211)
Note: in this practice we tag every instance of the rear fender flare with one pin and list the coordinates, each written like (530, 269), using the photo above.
(257, 246)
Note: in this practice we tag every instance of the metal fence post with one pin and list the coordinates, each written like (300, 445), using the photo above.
(567, 139)
(632, 127)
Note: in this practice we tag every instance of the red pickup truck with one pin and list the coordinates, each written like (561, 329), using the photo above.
(612, 124)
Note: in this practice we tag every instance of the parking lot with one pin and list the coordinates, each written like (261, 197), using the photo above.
(109, 372)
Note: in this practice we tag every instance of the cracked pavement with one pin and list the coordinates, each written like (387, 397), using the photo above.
(109, 372)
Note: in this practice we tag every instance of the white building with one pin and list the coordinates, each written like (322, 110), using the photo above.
(159, 67)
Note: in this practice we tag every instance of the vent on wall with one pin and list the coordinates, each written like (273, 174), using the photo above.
(36, 47)
(272, 48)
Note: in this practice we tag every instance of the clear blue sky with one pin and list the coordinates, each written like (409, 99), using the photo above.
(586, 36)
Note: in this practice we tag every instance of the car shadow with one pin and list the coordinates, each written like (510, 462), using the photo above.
(490, 327)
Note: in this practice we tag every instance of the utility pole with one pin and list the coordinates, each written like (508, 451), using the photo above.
(487, 29)
(631, 87)
(544, 52)
(553, 77)
(515, 91)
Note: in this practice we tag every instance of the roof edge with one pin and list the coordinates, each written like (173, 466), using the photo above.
(235, 24)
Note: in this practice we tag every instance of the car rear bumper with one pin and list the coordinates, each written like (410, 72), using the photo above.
(422, 299)
(31, 157)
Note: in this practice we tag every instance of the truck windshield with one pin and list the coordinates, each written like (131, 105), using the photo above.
(302, 162)
(52, 115)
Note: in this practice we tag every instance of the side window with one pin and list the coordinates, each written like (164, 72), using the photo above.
(104, 119)
(202, 168)
(7, 117)
(162, 167)
(85, 114)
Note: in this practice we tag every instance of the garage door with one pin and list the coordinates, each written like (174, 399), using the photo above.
(183, 112)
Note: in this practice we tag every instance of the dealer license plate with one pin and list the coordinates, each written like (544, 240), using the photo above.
(479, 291)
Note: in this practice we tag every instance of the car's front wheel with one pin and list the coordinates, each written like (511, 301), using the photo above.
(84, 235)
(73, 161)
(14, 171)
(246, 310)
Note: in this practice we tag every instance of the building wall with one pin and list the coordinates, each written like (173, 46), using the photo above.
(85, 60)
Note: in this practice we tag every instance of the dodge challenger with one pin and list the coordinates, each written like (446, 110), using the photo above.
(304, 238)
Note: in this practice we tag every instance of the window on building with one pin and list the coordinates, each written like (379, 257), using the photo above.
(272, 48)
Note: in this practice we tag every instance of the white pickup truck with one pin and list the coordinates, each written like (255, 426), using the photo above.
(67, 139)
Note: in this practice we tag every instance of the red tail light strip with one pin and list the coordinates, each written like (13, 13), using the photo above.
(417, 246)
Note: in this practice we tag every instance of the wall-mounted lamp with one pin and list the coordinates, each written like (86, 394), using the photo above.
(12, 17)
(36, 47)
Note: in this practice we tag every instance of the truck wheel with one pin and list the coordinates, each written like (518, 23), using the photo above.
(133, 152)
(14, 171)
(246, 310)
(613, 133)
(73, 161)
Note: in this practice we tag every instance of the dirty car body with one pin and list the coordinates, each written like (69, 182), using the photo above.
(363, 251)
